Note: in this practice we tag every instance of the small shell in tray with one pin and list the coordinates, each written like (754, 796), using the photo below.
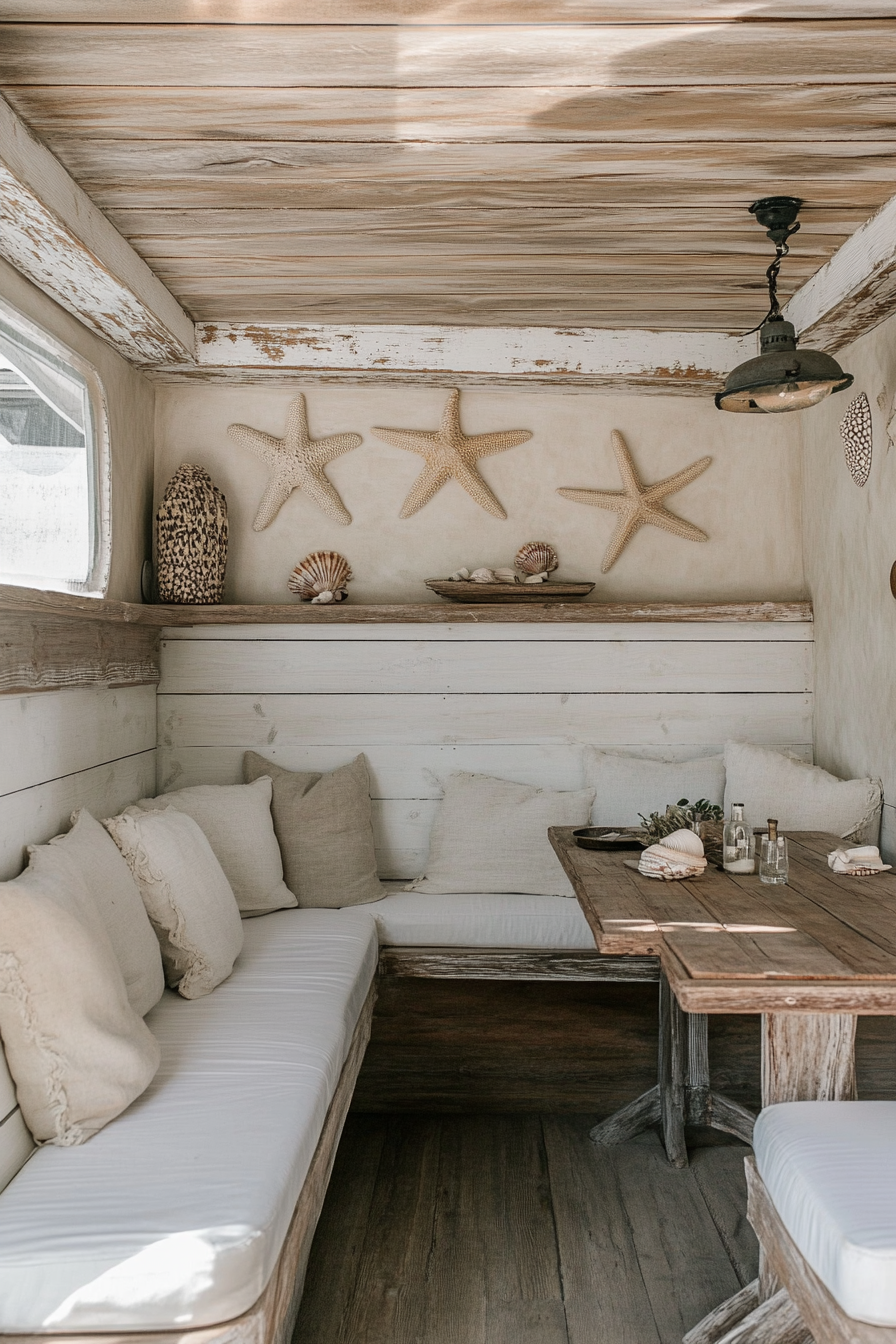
(321, 577)
(536, 557)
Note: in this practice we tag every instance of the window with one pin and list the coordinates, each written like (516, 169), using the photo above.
(54, 468)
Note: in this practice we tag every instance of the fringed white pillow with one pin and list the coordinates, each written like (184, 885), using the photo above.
(77, 1051)
(188, 899)
(628, 787)
(236, 820)
(802, 797)
(491, 835)
(94, 857)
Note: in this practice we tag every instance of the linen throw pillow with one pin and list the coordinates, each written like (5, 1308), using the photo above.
(324, 825)
(490, 835)
(626, 787)
(187, 897)
(77, 1051)
(802, 797)
(91, 854)
(236, 821)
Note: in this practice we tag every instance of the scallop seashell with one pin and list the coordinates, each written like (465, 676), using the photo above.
(482, 576)
(686, 842)
(506, 575)
(536, 557)
(320, 572)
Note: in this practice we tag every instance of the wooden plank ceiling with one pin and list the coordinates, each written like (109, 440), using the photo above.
(494, 162)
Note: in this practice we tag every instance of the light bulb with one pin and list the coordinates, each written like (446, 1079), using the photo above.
(791, 396)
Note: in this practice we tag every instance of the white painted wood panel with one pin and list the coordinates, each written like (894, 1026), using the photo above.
(33, 816)
(357, 720)
(48, 735)
(419, 668)
(758, 632)
(416, 771)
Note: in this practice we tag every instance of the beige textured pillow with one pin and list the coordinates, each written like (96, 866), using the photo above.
(236, 821)
(94, 857)
(77, 1051)
(324, 826)
(802, 797)
(491, 835)
(187, 897)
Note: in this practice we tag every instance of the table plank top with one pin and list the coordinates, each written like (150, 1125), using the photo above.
(825, 942)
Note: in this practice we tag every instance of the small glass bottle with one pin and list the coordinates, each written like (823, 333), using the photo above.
(773, 864)
(738, 843)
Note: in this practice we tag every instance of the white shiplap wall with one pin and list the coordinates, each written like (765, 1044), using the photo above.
(516, 701)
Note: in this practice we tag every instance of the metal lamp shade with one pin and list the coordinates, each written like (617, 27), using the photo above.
(781, 378)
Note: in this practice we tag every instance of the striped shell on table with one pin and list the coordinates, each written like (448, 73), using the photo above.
(686, 842)
(321, 577)
(536, 557)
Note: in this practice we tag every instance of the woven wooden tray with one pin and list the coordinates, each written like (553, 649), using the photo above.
(462, 590)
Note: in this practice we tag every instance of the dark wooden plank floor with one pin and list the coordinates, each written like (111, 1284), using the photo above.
(515, 1229)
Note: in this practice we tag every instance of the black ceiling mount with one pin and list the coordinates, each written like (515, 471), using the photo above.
(777, 215)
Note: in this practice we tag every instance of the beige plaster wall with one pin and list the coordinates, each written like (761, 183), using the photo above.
(129, 398)
(748, 500)
(850, 545)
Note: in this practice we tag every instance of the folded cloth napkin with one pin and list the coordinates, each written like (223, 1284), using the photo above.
(660, 861)
(859, 862)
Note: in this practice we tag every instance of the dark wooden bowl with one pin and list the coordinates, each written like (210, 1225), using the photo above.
(462, 590)
(595, 837)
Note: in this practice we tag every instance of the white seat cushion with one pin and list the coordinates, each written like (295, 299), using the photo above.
(830, 1169)
(174, 1215)
(493, 919)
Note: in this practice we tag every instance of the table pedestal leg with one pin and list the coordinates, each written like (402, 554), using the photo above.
(805, 1057)
(682, 1094)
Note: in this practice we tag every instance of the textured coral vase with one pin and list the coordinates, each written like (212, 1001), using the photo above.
(191, 539)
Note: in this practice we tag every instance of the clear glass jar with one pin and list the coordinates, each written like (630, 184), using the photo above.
(738, 843)
(773, 861)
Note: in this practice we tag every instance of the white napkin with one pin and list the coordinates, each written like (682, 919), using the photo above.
(859, 862)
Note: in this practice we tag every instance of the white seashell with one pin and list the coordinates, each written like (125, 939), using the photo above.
(459, 574)
(482, 576)
(320, 572)
(684, 841)
(322, 598)
(536, 578)
(506, 575)
(536, 557)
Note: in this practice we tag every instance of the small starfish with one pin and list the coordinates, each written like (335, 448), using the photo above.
(639, 505)
(449, 452)
(297, 463)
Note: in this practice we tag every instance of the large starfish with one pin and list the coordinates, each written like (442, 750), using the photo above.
(297, 463)
(640, 505)
(449, 452)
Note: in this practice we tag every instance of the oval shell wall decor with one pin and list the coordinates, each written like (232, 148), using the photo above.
(191, 539)
(856, 433)
(321, 577)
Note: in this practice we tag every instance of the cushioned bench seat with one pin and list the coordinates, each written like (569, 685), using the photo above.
(418, 919)
(174, 1215)
(830, 1170)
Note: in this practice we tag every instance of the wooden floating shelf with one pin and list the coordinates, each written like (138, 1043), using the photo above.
(33, 601)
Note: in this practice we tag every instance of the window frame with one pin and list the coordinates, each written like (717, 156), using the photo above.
(98, 455)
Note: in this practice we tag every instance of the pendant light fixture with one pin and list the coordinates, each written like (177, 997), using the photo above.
(781, 378)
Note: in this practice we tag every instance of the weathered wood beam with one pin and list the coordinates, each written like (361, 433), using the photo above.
(646, 361)
(54, 234)
(854, 291)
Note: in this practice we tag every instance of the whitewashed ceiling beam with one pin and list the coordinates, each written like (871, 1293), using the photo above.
(692, 363)
(54, 234)
(852, 292)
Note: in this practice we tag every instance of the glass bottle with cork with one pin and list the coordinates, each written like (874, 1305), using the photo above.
(773, 864)
(738, 843)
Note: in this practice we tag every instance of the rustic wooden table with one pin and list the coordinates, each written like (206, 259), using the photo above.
(809, 957)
